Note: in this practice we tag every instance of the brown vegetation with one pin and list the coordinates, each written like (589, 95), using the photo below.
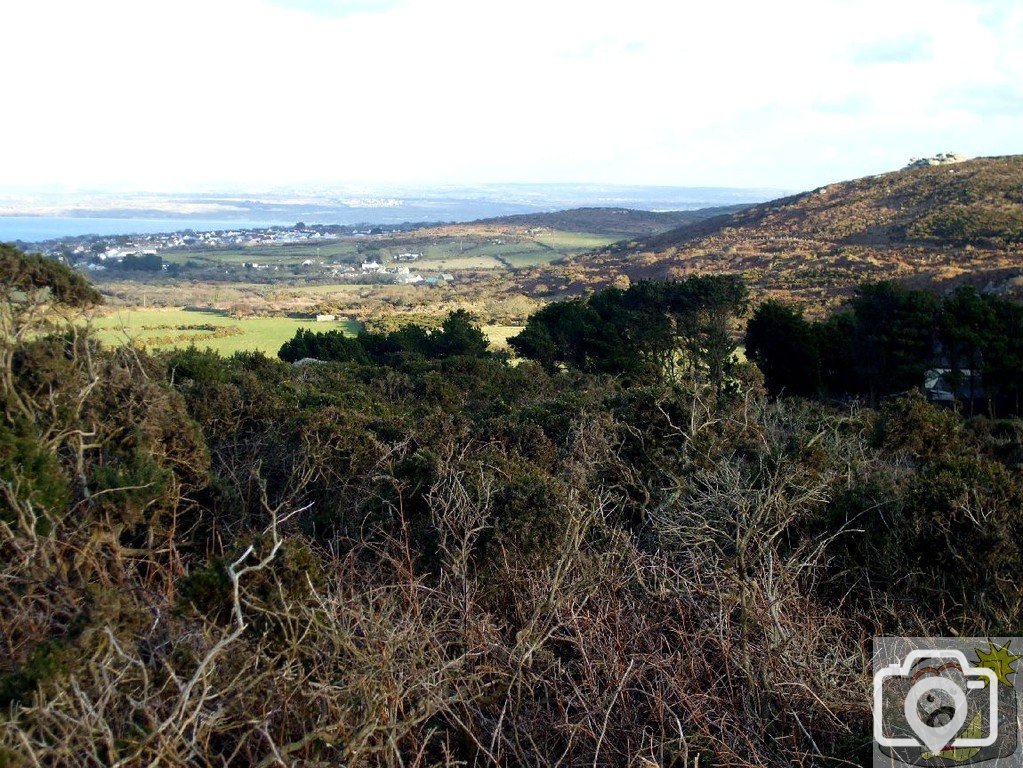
(937, 226)
(208, 561)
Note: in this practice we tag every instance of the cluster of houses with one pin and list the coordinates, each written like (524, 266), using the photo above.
(84, 247)
(96, 253)
(400, 273)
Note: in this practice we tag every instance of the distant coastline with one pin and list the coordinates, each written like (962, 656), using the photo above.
(35, 229)
(39, 219)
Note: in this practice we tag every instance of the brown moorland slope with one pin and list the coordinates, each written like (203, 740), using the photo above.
(619, 222)
(940, 226)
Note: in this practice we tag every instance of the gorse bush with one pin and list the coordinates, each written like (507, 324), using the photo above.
(449, 560)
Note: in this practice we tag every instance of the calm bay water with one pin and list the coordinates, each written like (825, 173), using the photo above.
(32, 229)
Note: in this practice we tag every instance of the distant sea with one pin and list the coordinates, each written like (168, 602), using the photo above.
(34, 229)
(444, 205)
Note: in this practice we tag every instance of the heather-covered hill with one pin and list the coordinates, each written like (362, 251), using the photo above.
(940, 226)
(977, 202)
(621, 222)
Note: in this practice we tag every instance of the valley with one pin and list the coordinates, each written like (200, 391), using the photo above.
(936, 227)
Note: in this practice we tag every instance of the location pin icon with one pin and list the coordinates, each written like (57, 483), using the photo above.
(935, 738)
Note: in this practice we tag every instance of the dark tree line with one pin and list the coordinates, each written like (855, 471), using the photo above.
(885, 341)
(650, 327)
(458, 336)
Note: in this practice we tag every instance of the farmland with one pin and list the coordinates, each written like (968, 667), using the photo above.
(255, 296)
(169, 328)
(165, 328)
(451, 247)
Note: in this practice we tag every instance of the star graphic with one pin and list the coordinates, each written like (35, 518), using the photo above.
(999, 661)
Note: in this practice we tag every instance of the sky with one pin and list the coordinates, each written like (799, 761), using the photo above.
(183, 95)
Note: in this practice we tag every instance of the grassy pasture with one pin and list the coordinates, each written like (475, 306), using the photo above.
(164, 328)
(499, 334)
(570, 243)
(168, 328)
(283, 255)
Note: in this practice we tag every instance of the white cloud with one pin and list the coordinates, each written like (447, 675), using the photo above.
(243, 92)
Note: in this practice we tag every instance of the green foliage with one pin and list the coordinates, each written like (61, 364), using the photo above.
(782, 343)
(33, 474)
(33, 273)
(529, 514)
(207, 590)
(941, 538)
(458, 336)
(147, 262)
(295, 572)
(886, 340)
(558, 333)
(894, 335)
(47, 661)
(326, 345)
(129, 482)
(650, 328)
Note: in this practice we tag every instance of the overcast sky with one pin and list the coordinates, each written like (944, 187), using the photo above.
(183, 94)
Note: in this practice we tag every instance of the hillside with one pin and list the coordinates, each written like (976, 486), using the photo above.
(977, 202)
(620, 222)
(939, 225)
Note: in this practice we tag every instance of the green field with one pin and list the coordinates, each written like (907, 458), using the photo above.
(514, 252)
(440, 251)
(165, 328)
(168, 328)
(499, 334)
(330, 250)
(574, 242)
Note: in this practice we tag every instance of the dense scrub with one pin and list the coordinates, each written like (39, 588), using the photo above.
(461, 562)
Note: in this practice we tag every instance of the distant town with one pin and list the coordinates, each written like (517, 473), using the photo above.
(97, 249)
(145, 253)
